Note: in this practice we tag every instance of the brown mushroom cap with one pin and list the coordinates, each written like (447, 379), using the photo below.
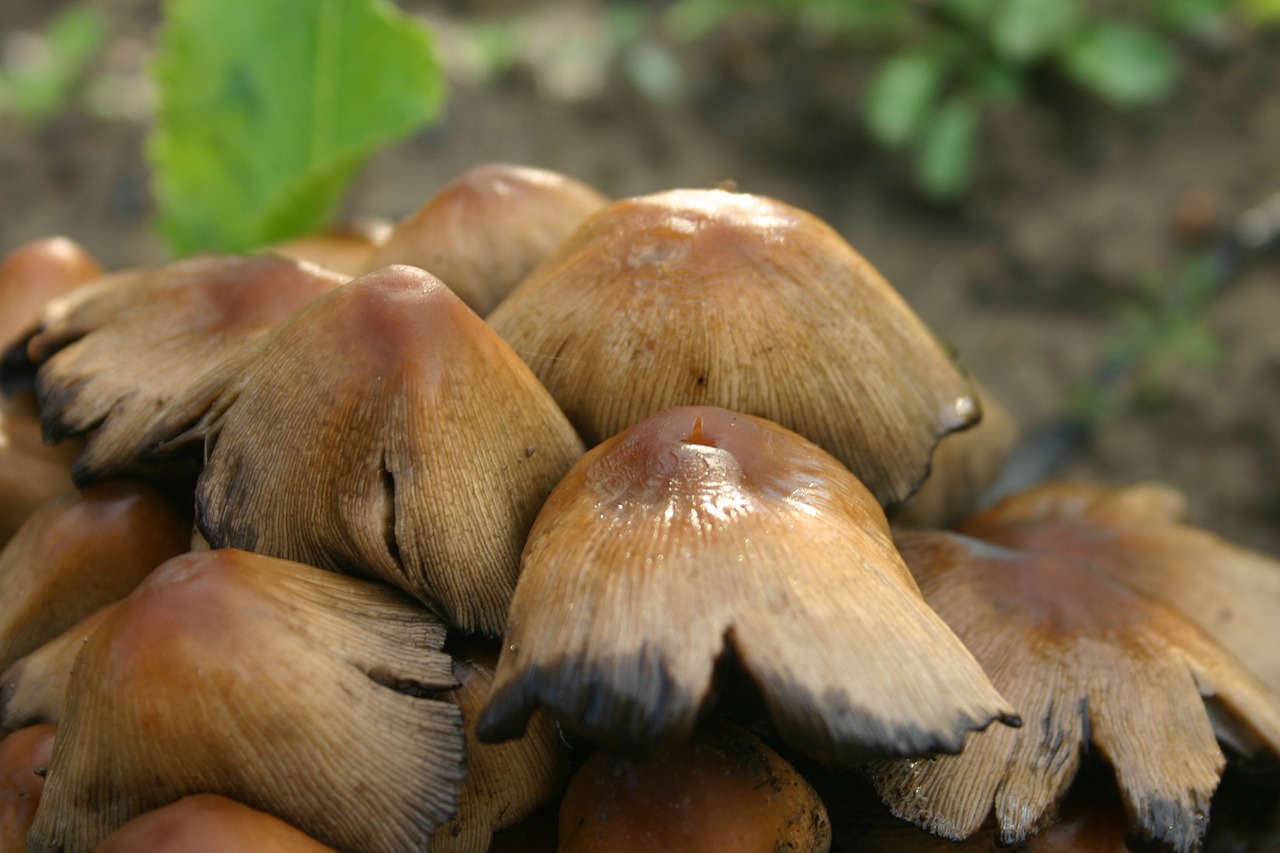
(114, 353)
(487, 228)
(345, 249)
(34, 689)
(505, 783)
(1136, 535)
(1085, 660)
(24, 755)
(31, 472)
(293, 690)
(35, 273)
(702, 536)
(707, 297)
(385, 431)
(207, 823)
(725, 790)
(79, 552)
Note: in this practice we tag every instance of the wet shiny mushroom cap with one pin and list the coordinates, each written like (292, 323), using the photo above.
(701, 539)
(708, 297)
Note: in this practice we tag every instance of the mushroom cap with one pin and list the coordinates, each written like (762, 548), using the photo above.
(345, 249)
(1085, 660)
(34, 689)
(208, 823)
(113, 354)
(79, 552)
(505, 783)
(34, 273)
(23, 756)
(293, 690)
(702, 536)
(1136, 535)
(31, 472)
(707, 297)
(725, 790)
(384, 431)
(488, 227)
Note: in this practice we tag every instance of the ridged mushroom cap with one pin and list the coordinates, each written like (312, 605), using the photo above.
(488, 227)
(1088, 662)
(384, 431)
(113, 354)
(293, 690)
(33, 689)
(701, 537)
(708, 297)
(24, 755)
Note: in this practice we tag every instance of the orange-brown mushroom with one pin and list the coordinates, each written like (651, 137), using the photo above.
(702, 537)
(208, 823)
(345, 249)
(79, 552)
(385, 430)
(24, 757)
(31, 472)
(114, 353)
(507, 782)
(487, 228)
(694, 297)
(1088, 662)
(724, 790)
(293, 690)
(34, 689)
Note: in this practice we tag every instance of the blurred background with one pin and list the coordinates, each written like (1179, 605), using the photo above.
(1080, 197)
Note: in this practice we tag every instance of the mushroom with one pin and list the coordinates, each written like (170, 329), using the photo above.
(208, 823)
(1137, 536)
(290, 689)
(505, 783)
(31, 472)
(384, 431)
(704, 538)
(33, 689)
(708, 297)
(1086, 660)
(24, 756)
(30, 276)
(487, 228)
(724, 790)
(79, 552)
(113, 354)
(345, 249)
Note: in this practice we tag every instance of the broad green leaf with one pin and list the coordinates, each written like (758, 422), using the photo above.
(1123, 64)
(974, 13)
(1261, 11)
(1025, 30)
(944, 154)
(900, 95)
(268, 107)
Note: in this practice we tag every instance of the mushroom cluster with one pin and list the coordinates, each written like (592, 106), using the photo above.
(541, 521)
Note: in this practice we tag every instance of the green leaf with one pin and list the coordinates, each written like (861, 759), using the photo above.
(974, 13)
(1025, 30)
(35, 90)
(1261, 11)
(268, 107)
(944, 156)
(1123, 64)
(900, 95)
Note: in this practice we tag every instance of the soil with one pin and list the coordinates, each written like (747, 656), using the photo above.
(1077, 209)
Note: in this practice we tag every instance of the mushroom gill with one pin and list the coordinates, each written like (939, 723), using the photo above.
(693, 297)
(385, 431)
(293, 690)
(488, 227)
(1138, 536)
(114, 354)
(701, 537)
(79, 552)
(1087, 662)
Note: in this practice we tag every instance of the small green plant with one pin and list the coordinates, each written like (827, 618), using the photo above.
(268, 107)
(949, 60)
(40, 76)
